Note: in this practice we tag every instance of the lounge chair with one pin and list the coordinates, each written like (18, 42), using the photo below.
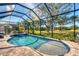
(1, 35)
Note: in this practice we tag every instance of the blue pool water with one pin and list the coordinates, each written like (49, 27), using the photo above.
(42, 44)
(27, 40)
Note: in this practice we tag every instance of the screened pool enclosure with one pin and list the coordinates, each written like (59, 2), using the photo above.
(55, 20)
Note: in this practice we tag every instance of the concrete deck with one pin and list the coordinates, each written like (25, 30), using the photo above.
(74, 48)
(15, 51)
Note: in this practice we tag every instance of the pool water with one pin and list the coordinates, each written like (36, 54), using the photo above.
(44, 45)
(27, 40)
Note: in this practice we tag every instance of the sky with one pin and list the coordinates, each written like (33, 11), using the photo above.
(18, 8)
(23, 10)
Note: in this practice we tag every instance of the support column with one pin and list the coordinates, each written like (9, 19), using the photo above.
(33, 27)
(74, 23)
(40, 26)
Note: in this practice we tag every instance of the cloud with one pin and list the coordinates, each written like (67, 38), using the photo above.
(9, 8)
(30, 5)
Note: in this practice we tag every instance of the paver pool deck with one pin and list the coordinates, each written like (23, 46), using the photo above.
(27, 51)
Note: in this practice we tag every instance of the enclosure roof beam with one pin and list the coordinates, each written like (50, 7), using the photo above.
(28, 9)
(16, 12)
(14, 16)
(2, 4)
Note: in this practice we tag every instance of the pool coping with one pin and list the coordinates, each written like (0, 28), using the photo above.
(67, 47)
(53, 39)
(42, 54)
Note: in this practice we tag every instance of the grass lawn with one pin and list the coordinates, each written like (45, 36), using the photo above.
(62, 35)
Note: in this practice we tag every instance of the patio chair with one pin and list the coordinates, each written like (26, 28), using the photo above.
(1, 35)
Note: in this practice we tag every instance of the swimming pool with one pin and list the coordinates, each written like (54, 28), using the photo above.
(27, 40)
(42, 44)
